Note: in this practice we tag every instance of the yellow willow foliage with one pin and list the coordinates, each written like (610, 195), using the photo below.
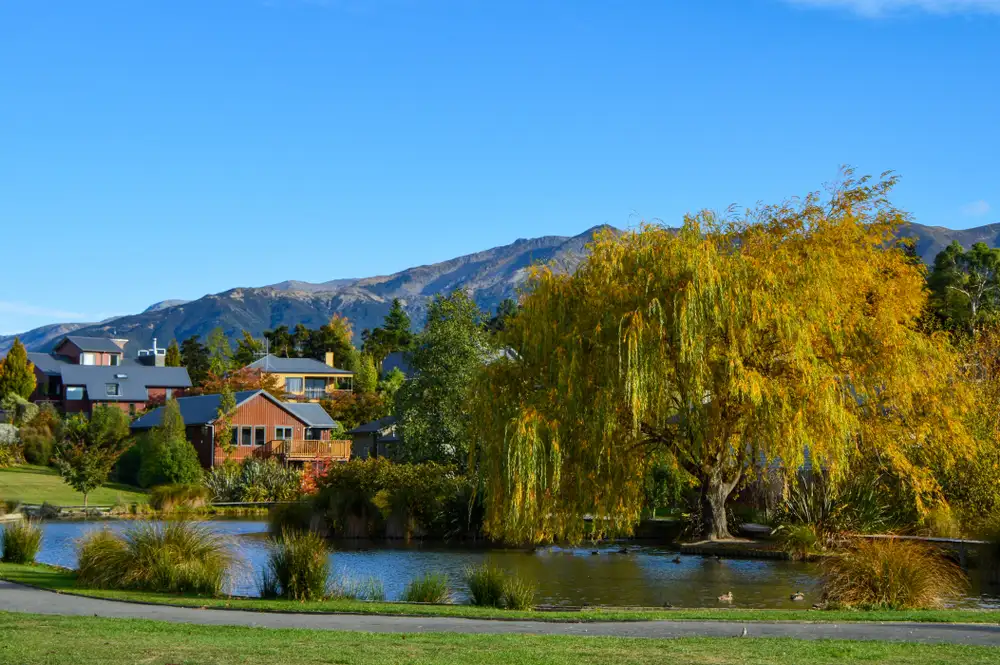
(788, 333)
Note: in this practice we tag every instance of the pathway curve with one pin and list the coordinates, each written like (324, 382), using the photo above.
(18, 598)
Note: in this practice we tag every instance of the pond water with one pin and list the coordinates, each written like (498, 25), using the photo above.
(646, 576)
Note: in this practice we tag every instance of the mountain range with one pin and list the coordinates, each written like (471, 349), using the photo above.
(488, 276)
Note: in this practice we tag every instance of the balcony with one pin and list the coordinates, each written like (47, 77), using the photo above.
(300, 450)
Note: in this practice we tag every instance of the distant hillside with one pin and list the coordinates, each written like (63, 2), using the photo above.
(488, 276)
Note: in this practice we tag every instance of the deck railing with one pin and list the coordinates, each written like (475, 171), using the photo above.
(297, 449)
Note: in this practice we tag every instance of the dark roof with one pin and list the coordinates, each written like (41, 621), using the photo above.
(272, 363)
(391, 438)
(397, 359)
(204, 409)
(311, 414)
(97, 344)
(133, 380)
(374, 426)
(48, 363)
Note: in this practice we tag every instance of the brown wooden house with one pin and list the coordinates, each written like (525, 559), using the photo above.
(262, 426)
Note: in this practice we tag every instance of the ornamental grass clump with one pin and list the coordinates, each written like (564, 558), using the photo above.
(168, 498)
(892, 574)
(20, 541)
(170, 557)
(298, 566)
(429, 588)
(490, 586)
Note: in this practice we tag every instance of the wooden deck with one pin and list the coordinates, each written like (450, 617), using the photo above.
(300, 450)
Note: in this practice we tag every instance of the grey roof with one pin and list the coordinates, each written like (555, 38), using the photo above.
(98, 344)
(374, 426)
(311, 414)
(204, 409)
(133, 380)
(272, 363)
(48, 363)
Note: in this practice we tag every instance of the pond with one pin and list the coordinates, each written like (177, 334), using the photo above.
(646, 576)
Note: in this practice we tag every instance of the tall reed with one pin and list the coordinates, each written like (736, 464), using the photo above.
(298, 566)
(21, 541)
(428, 588)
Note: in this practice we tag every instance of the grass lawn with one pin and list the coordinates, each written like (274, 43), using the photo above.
(38, 484)
(64, 581)
(26, 639)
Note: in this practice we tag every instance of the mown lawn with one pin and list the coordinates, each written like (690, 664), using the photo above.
(27, 639)
(38, 484)
(58, 579)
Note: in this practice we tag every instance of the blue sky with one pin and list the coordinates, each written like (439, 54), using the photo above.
(169, 149)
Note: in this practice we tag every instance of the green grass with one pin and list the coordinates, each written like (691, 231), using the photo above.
(64, 581)
(28, 639)
(38, 484)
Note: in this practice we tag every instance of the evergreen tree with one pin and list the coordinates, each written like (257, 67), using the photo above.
(17, 373)
(173, 357)
(393, 335)
(220, 353)
(167, 456)
(506, 311)
(194, 356)
(365, 375)
(248, 350)
(224, 415)
(335, 336)
(280, 342)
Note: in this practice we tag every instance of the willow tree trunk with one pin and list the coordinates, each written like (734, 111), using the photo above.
(715, 491)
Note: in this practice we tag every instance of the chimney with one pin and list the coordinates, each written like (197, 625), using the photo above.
(329, 358)
(120, 343)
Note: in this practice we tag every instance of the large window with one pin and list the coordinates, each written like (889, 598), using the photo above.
(293, 385)
(113, 389)
(283, 433)
(115, 360)
(88, 359)
(259, 436)
(315, 388)
(314, 434)
(74, 392)
(246, 436)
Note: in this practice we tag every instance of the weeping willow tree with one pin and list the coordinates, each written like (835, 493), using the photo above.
(789, 334)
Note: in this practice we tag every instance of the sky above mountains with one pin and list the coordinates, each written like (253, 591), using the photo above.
(172, 148)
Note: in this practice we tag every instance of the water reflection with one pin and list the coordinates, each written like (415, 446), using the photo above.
(646, 576)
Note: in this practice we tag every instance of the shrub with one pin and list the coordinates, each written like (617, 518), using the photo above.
(268, 480)
(19, 410)
(892, 574)
(166, 456)
(486, 585)
(223, 482)
(800, 541)
(38, 437)
(290, 517)
(171, 557)
(430, 588)
(940, 522)
(10, 446)
(21, 541)
(298, 566)
(167, 498)
(518, 593)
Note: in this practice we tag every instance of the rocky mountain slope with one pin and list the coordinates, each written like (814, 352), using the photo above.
(488, 276)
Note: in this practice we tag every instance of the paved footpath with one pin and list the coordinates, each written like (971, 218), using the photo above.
(17, 598)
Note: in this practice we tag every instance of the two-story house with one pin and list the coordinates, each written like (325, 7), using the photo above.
(81, 372)
(306, 379)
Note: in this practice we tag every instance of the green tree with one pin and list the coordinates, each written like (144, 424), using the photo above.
(220, 353)
(432, 407)
(394, 334)
(224, 416)
(173, 357)
(335, 336)
(365, 375)
(390, 385)
(280, 342)
(167, 456)
(302, 340)
(790, 334)
(90, 447)
(248, 350)
(506, 311)
(17, 373)
(195, 358)
(966, 285)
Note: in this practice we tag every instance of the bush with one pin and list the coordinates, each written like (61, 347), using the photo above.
(518, 594)
(167, 461)
(486, 585)
(268, 480)
(430, 588)
(170, 557)
(167, 498)
(19, 410)
(10, 446)
(290, 517)
(800, 541)
(298, 567)
(21, 541)
(892, 574)
(223, 482)
(38, 437)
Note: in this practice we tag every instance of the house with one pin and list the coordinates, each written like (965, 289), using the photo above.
(397, 360)
(375, 439)
(262, 426)
(81, 372)
(306, 379)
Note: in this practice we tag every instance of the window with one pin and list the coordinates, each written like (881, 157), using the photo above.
(131, 409)
(169, 393)
(235, 441)
(246, 436)
(74, 392)
(293, 384)
(113, 389)
(314, 434)
(315, 388)
(88, 359)
(259, 436)
(115, 360)
(283, 433)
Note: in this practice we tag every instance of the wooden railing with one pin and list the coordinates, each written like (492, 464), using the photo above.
(298, 449)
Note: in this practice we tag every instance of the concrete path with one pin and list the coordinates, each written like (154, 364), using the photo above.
(17, 598)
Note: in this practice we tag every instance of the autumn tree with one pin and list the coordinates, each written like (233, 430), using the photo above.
(786, 335)
(173, 357)
(246, 378)
(90, 447)
(17, 373)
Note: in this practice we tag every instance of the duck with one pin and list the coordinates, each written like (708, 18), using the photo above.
(676, 559)
(623, 550)
(726, 597)
(594, 553)
(798, 595)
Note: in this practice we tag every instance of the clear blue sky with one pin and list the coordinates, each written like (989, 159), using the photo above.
(173, 148)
